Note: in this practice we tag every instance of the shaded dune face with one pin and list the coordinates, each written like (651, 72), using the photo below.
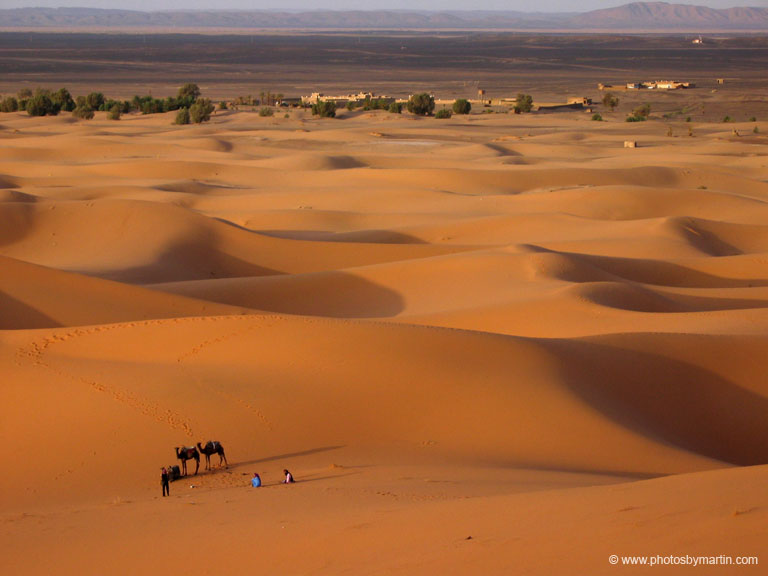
(39, 297)
(474, 307)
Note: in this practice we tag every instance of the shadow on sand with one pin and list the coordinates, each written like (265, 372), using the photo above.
(290, 455)
(313, 479)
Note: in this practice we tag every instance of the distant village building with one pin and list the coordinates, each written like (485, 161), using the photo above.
(343, 99)
(663, 85)
(482, 99)
(360, 98)
(654, 85)
(578, 103)
(503, 102)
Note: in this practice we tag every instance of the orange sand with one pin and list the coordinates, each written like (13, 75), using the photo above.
(498, 327)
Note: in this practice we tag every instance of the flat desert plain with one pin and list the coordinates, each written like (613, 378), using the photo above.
(496, 343)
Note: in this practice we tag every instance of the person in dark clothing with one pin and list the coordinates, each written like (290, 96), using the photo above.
(288, 477)
(165, 482)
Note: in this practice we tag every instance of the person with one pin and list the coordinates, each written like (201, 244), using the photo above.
(288, 477)
(165, 482)
(255, 481)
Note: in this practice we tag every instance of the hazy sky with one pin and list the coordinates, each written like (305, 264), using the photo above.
(522, 5)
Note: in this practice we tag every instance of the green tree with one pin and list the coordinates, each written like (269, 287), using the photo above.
(115, 111)
(9, 104)
(151, 105)
(462, 106)
(523, 103)
(63, 99)
(41, 104)
(83, 112)
(421, 104)
(643, 111)
(443, 113)
(324, 109)
(640, 114)
(597, 117)
(375, 103)
(396, 107)
(201, 110)
(189, 91)
(123, 105)
(266, 111)
(610, 100)
(24, 94)
(182, 116)
(95, 100)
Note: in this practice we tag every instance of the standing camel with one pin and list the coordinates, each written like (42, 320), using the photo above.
(185, 453)
(212, 447)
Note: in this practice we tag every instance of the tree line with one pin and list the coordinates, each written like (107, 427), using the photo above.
(188, 101)
(191, 107)
(421, 104)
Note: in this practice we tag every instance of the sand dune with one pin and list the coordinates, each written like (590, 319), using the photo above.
(37, 297)
(259, 372)
(720, 238)
(515, 276)
(504, 327)
(140, 242)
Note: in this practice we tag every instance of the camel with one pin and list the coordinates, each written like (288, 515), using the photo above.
(212, 447)
(185, 453)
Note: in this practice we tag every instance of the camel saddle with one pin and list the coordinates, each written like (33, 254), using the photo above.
(212, 445)
(188, 452)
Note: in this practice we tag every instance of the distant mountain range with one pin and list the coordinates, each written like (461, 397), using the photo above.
(635, 16)
(661, 15)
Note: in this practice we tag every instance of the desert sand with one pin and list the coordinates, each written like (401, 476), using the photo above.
(494, 343)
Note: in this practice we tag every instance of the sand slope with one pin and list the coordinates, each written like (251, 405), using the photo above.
(509, 328)
(139, 242)
(36, 297)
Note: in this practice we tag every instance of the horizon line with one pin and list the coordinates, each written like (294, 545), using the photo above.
(380, 10)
